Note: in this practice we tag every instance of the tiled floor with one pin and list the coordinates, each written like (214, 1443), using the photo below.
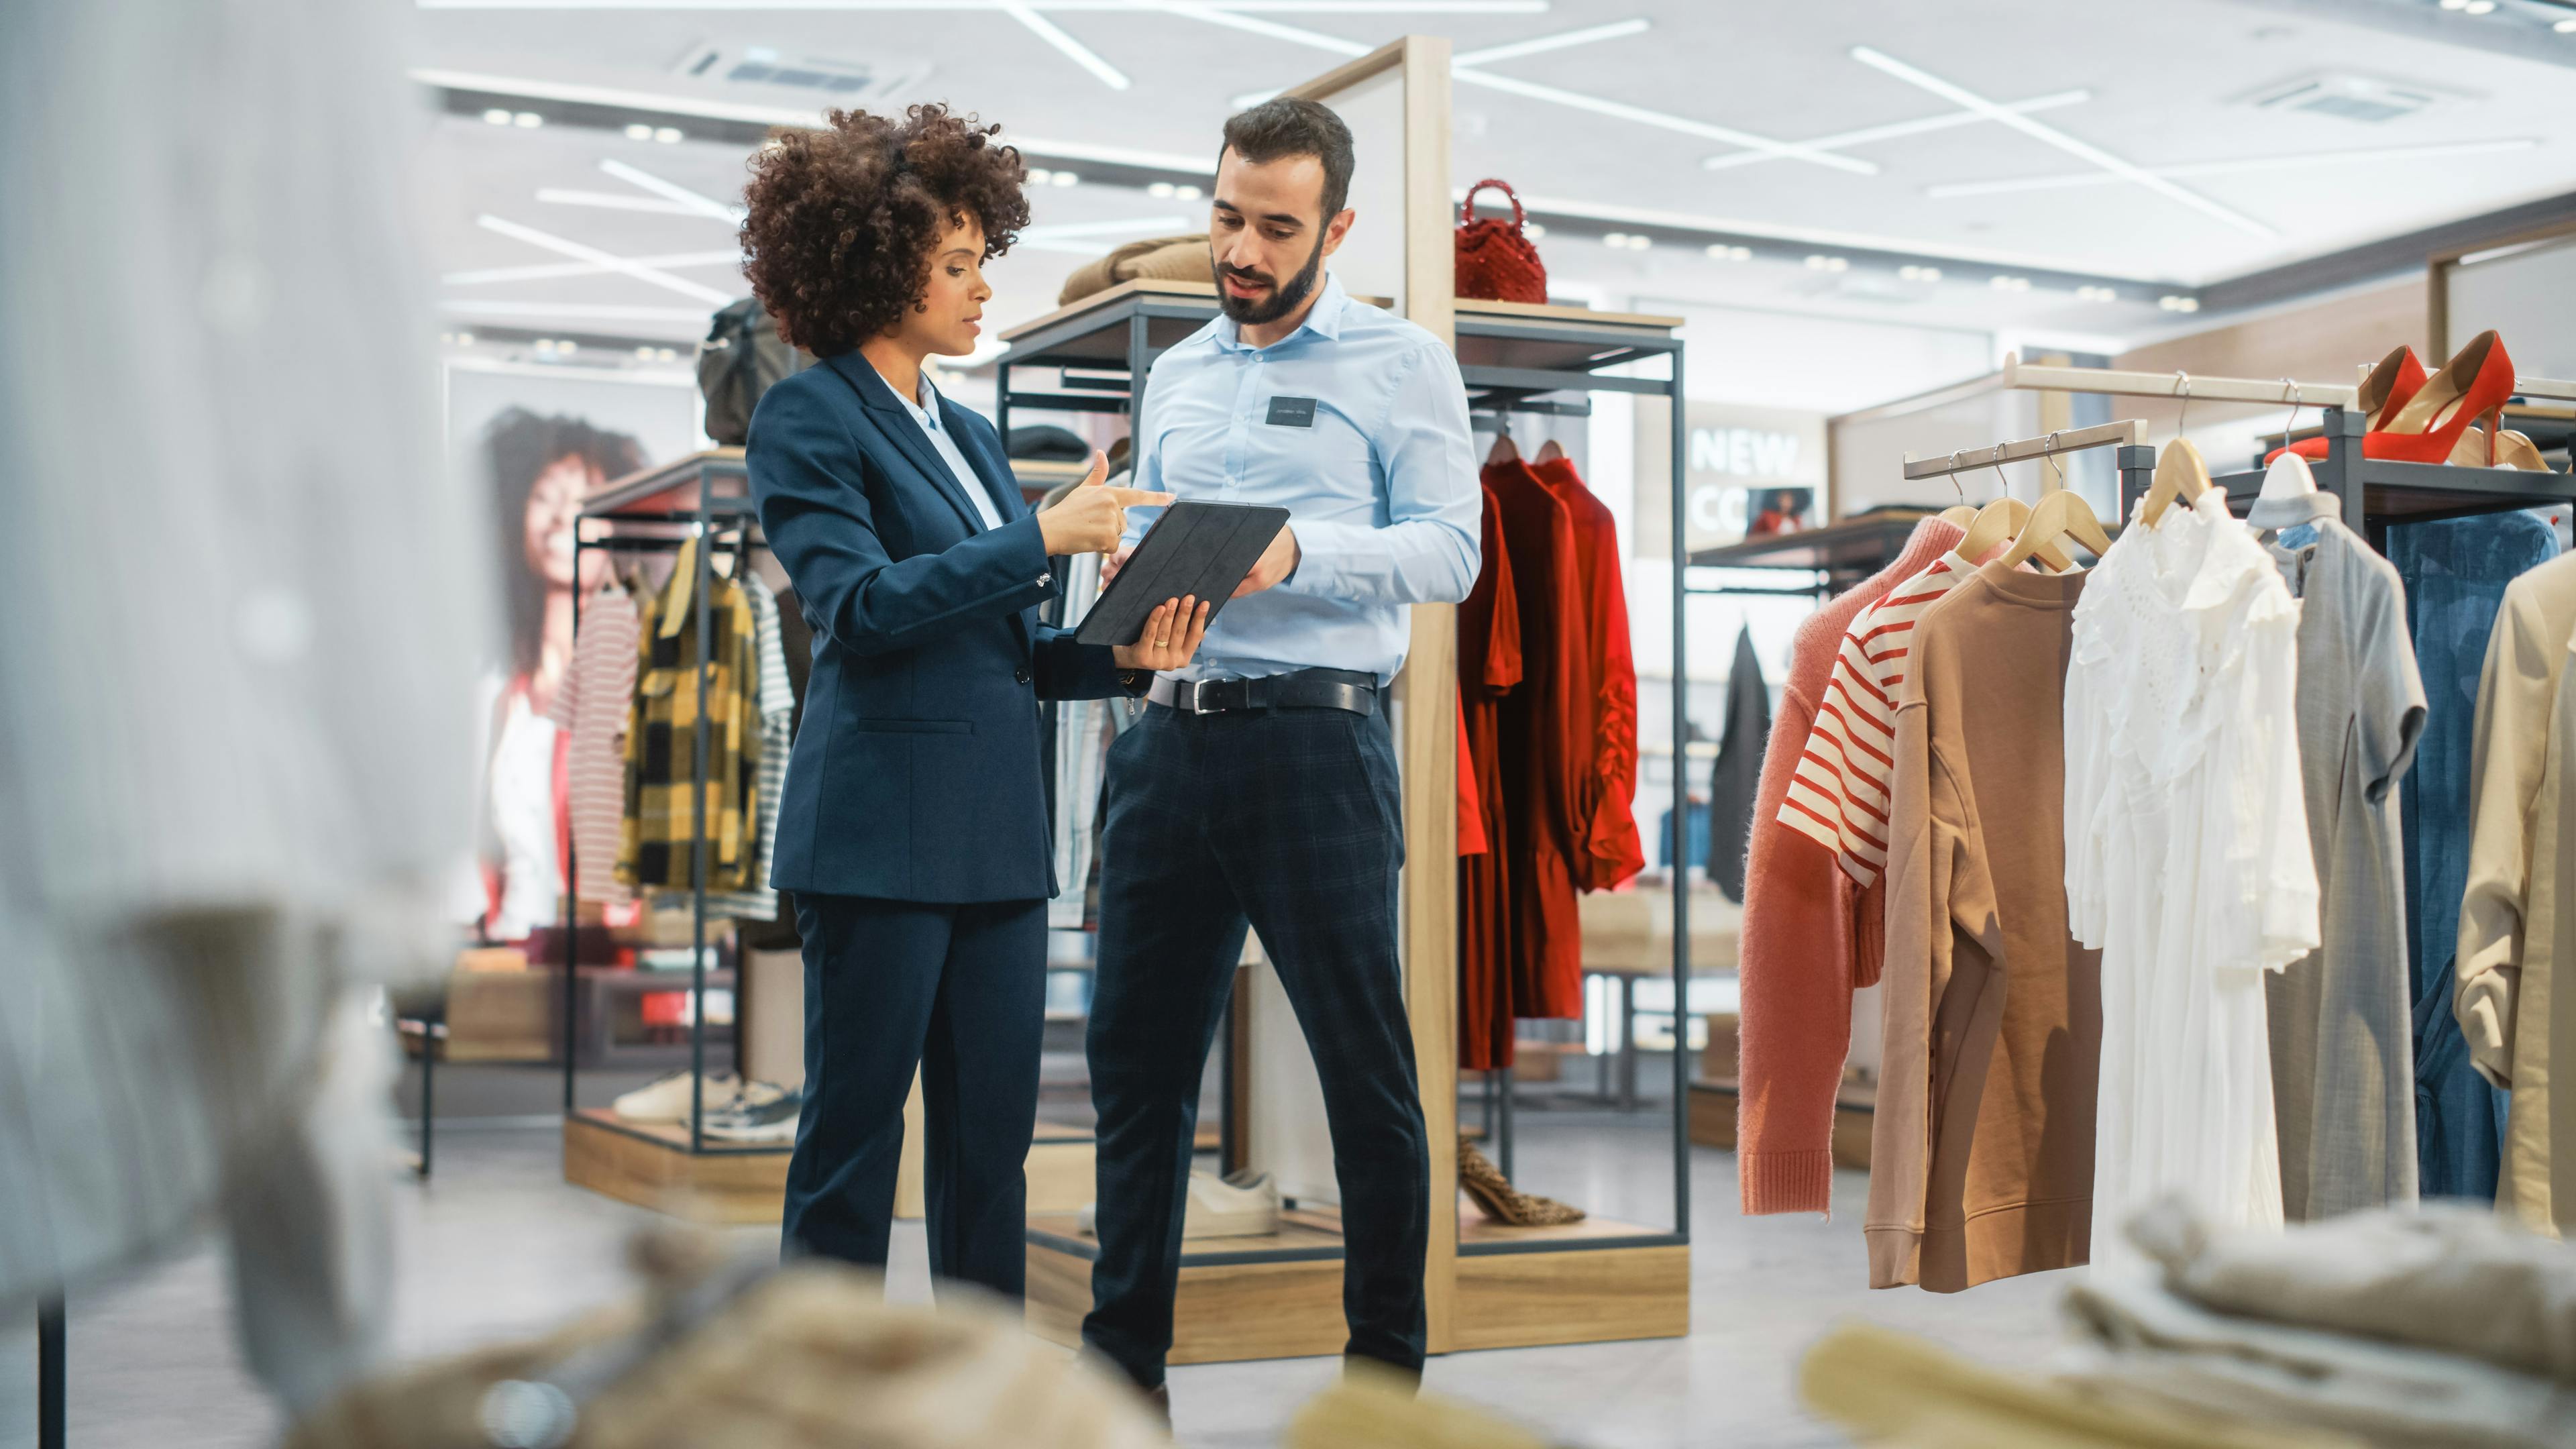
(498, 1245)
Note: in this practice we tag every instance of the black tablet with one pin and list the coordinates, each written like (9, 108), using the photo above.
(1200, 550)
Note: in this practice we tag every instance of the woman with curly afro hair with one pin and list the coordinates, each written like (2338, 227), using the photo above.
(913, 829)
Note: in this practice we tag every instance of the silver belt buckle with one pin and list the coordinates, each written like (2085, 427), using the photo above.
(1197, 692)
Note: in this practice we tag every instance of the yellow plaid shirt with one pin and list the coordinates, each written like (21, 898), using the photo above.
(655, 849)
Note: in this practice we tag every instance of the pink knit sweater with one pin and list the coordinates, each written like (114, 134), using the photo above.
(1807, 931)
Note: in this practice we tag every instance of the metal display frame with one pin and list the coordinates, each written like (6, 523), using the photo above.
(1512, 359)
(705, 497)
(2375, 492)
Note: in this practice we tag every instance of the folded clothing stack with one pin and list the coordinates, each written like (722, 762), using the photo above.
(2436, 1325)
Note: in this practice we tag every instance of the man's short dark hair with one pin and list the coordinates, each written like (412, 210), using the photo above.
(1285, 126)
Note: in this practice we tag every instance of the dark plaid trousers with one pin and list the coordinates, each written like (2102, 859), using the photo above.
(1288, 821)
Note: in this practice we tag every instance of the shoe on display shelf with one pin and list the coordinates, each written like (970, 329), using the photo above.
(666, 1098)
(1503, 1202)
(747, 1121)
(1238, 1205)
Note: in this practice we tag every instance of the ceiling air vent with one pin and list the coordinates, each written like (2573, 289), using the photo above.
(2350, 97)
(769, 67)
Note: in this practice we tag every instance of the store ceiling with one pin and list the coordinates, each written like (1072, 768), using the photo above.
(2163, 147)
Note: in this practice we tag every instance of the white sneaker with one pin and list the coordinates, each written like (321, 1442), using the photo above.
(1242, 1205)
(666, 1099)
(771, 1120)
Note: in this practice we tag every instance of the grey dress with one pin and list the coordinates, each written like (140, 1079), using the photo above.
(2341, 1017)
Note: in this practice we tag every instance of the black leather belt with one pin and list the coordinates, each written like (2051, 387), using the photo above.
(1306, 689)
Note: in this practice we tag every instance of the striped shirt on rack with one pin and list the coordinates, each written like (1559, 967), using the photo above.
(1838, 797)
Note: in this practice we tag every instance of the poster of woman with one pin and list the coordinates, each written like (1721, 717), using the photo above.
(536, 442)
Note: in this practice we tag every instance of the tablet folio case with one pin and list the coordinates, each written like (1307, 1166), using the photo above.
(1194, 549)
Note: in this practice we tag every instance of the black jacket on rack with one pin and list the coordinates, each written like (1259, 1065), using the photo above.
(1737, 774)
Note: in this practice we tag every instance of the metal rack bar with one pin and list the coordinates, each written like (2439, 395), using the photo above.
(1680, 844)
(1545, 380)
(2126, 432)
(52, 1396)
(2177, 385)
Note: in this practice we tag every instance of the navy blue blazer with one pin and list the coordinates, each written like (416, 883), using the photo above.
(916, 771)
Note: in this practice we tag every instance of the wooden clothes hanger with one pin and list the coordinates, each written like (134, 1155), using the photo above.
(2062, 514)
(1958, 515)
(2004, 519)
(2180, 473)
(1504, 449)
(1549, 451)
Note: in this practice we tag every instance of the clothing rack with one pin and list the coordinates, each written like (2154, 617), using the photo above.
(705, 498)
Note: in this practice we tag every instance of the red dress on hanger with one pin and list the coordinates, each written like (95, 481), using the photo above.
(1611, 852)
(1544, 743)
(1489, 666)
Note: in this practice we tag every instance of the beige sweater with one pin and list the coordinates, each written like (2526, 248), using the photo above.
(1981, 1152)
(2513, 931)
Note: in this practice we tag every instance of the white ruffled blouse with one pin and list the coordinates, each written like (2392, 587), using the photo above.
(2187, 859)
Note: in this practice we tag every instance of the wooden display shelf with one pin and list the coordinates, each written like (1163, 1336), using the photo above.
(1564, 312)
(1280, 1295)
(650, 1165)
(1274, 1296)
(1712, 1119)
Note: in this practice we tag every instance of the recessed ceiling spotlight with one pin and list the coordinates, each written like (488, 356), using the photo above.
(1614, 239)
(2096, 294)
(639, 132)
(645, 352)
(1064, 178)
(669, 135)
(1639, 241)
(2178, 304)
(2010, 284)
(1159, 188)
(1532, 230)
(1040, 176)
(1914, 273)
(497, 116)
(1822, 263)
(567, 345)
(668, 355)
(1720, 251)
(1187, 193)
(527, 120)
(2455, 4)
(464, 339)
(2566, 27)
(2479, 7)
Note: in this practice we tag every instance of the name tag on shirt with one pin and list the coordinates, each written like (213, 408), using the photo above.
(1292, 412)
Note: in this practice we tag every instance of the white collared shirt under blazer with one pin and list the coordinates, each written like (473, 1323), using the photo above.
(2187, 859)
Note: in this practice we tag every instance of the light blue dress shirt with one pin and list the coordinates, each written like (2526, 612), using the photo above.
(1356, 423)
(925, 411)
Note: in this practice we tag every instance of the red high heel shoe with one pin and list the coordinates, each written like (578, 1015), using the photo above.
(2474, 384)
(2389, 388)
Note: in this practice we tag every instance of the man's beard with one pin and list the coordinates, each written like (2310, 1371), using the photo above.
(1282, 300)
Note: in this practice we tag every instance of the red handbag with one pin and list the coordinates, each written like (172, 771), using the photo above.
(1496, 262)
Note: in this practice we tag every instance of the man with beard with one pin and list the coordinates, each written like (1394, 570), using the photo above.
(1260, 787)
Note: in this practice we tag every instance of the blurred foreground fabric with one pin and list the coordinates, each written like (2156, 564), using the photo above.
(800, 1357)
(2440, 1325)
(237, 678)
